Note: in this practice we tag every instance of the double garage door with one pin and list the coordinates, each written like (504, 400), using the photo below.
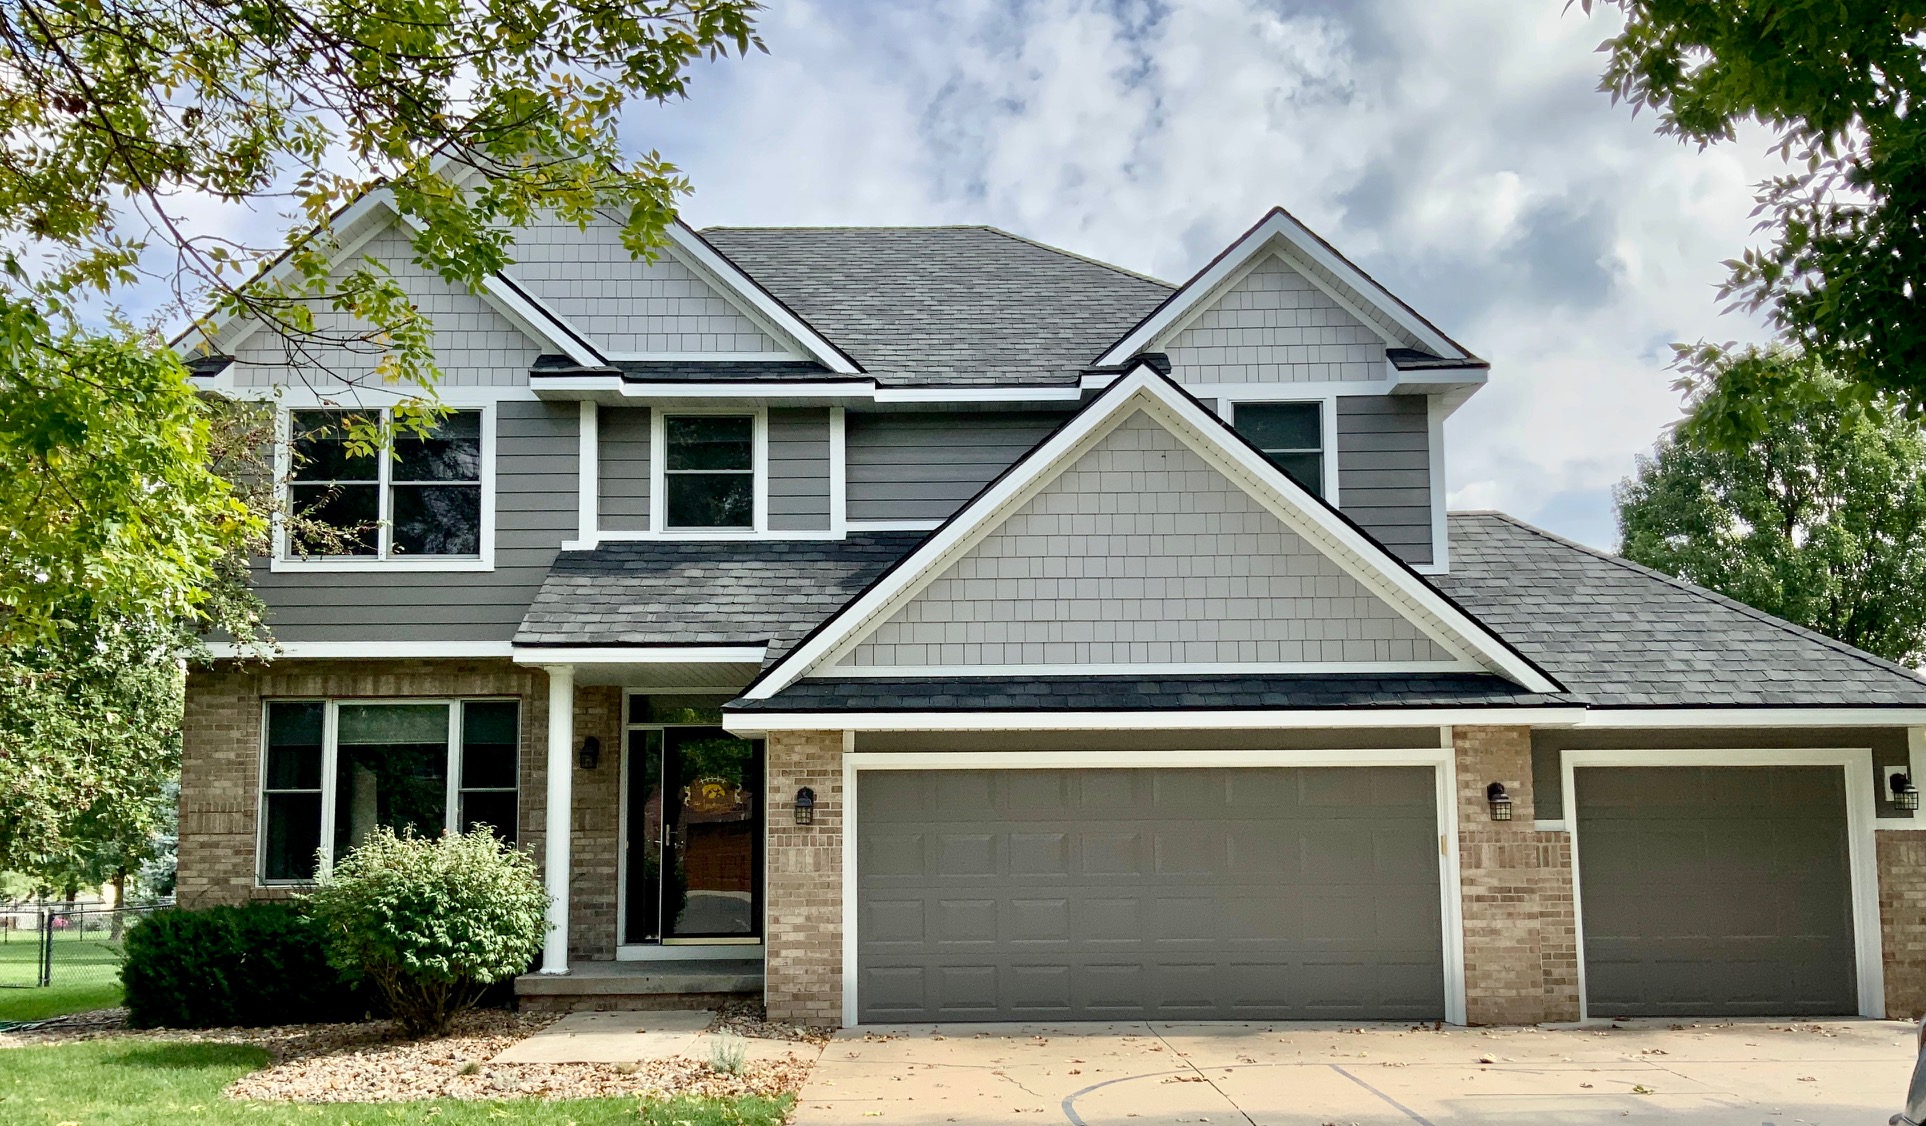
(1212, 894)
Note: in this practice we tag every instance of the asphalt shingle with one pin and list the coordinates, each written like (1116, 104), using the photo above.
(951, 305)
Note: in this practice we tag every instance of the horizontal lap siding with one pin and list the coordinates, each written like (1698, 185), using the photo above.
(799, 470)
(622, 435)
(1384, 470)
(535, 508)
(924, 465)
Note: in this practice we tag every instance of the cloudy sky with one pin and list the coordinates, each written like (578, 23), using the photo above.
(1456, 149)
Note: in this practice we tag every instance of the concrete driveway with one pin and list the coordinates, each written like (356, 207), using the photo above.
(1747, 1073)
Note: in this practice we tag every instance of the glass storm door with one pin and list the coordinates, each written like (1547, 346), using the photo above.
(695, 836)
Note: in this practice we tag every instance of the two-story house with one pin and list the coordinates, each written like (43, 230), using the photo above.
(918, 624)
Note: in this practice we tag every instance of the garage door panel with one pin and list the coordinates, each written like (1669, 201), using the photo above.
(1206, 894)
(1715, 891)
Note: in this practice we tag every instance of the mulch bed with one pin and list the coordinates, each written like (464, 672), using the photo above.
(373, 1062)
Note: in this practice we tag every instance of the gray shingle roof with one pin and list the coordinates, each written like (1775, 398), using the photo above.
(692, 371)
(1147, 693)
(958, 305)
(1618, 635)
(1613, 633)
(703, 592)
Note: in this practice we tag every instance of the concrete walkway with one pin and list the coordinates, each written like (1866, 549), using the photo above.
(637, 1038)
(1838, 1073)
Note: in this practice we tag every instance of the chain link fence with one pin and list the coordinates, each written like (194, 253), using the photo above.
(49, 945)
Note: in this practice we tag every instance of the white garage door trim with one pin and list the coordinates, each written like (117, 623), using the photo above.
(1441, 759)
(1860, 855)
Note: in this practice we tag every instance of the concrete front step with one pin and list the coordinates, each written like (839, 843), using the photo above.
(638, 986)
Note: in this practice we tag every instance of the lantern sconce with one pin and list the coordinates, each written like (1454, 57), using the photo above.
(1905, 795)
(1500, 801)
(805, 806)
(590, 756)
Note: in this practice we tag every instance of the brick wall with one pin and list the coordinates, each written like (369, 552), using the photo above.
(1902, 920)
(1521, 948)
(803, 972)
(220, 764)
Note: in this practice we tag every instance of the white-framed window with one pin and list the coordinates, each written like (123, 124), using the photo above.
(1296, 436)
(709, 472)
(333, 770)
(420, 503)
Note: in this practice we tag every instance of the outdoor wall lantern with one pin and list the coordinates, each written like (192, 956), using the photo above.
(1500, 801)
(591, 753)
(1905, 794)
(805, 806)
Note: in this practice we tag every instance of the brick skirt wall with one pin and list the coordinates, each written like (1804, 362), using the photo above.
(221, 754)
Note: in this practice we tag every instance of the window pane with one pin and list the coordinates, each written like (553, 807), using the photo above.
(1306, 469)
(437, 519)
(391, 769)
(293, 768)
(494, 811)
(453, 454)
(295, 723)
(1281, 426)
(353, 511)
(711, 500)
(488, 745)
(293, 834)
(703, 442)
(321, 448)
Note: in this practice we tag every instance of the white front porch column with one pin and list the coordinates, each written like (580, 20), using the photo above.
(561, 766)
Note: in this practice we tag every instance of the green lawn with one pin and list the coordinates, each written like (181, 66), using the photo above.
(151, 1083)
(86, 975)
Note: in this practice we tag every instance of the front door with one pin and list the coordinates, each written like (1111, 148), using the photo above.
(694, 826)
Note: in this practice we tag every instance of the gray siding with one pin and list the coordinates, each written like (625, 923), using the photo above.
(917, 466)
(799, 469)
(1142, 553)
(535, 490)
(622, 460)
(1275, 326)
(1384, 470)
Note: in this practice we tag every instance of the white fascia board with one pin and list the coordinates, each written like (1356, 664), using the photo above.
(738, 282)
(979, 394)
(757, 723)
(639, 655)
(1143, 387)
(1234, 261)
(341, 650)
(1630, 718)
(536, 320)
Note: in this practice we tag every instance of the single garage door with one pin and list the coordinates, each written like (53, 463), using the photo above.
(1116, 894)
(1715, 891)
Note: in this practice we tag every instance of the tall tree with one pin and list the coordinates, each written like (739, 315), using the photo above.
(1843, 273)
(1807, 507)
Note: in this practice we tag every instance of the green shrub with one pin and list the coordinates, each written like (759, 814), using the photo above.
(431, 922)
(258, 964)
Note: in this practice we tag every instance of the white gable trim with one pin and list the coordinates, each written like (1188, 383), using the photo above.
(1278, 227)
(695, 252)
(1142, 388)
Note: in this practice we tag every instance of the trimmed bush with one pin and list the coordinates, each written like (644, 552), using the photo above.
(258, 964)
(431, 923)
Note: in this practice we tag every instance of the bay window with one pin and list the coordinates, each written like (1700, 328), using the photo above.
(334, 770)
(413, 497)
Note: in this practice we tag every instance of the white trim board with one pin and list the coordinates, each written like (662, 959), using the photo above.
(1278, 230)
(1860, 845)
(1142, 389)
(776, 318)
(1442, 760)
(368, 650)
(639, 655)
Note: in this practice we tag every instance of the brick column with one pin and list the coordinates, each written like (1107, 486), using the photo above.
(597, 818)
(1521, 944)
(803, 966)
(1902, 919)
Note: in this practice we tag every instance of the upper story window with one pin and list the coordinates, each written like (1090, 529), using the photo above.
(1290, 434)
(709, 472)
(415, 497)
(333, 771)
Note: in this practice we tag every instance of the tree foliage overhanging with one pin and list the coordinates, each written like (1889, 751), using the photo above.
(1843, 272)
(1811, 506)
(128, 504)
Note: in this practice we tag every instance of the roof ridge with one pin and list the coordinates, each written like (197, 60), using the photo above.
(1708, 594)
(995, 230)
